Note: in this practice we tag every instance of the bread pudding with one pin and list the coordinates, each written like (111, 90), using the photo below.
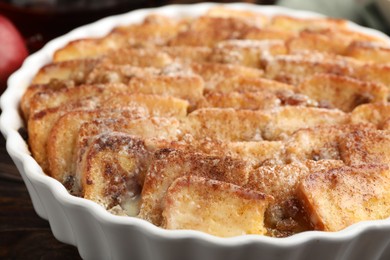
(230, 123)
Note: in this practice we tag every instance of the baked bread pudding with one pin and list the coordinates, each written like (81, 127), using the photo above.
(230, 123)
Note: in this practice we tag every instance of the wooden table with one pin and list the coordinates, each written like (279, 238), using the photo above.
(24, 235)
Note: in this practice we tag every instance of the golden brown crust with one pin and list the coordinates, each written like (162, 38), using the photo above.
(246, 52)
(295, 68)
(209, 30)
(75, 70)
(171, 164)
(63, 137)
(369, 51)
(40, 125)
(215, 207)
(344, 93)
(377, 114)
(367, 146)
(319, 143)
(288, 23)
(111, 169)
(341, 197)
(330, 40)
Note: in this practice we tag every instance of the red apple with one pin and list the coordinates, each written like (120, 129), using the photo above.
(12, 50)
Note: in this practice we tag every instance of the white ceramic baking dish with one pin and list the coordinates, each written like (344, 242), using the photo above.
(100, 235)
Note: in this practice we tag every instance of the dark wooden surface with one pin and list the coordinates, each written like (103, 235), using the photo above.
(24, 235)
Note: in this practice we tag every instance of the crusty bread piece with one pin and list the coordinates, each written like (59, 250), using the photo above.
(378, 73)
(340, 197)
(213, 73)
(246, 52)
(30, 92)
(40, 125)
(55, 93)
(344, 93)
(166, 128)
(247, 125)
(331, 40)
(294, 24)
(377, 114)
(321, 41)
(61, 142)
(281, 181)
(111, 169)
(209, 30)
(266, 33)
(369, 51)
(255, 152)
(226, 124)
(154, 30)
(285, 215)
(158, 56)
(215, 207)
(171, 164)
(319, 143)
(368, 146)
(62, 82)
(241, 100)
(188, 87)
(137, 57)
(271, 93)
(166, 85)
(187, 54)
(107, 73)
(251, 83)
(51, 99)
(153, 131)
(164, 106)
(75, 70)
(295, 68)
(286, 120)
